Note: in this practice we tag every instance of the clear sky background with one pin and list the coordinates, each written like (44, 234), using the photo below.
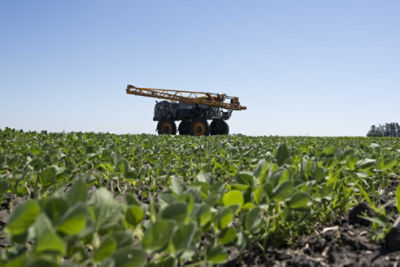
(302, 67)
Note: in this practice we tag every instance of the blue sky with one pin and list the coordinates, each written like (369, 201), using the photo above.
(302, 67)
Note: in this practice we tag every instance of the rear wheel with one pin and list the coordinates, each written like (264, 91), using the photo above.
(199, 127)
(219, 127)
(166, 126)
(184, 127)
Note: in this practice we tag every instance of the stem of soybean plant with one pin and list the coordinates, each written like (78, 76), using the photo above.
(118, 186)
(27, 189)
(38, 193)
(111, 186)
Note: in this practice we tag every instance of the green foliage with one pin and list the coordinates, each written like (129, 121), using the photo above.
(177, 211)
(50, 242)
(107, 247)
(158, 235)
(129, 257)
(299, 200)
(283, 191)
(136, 200)
(183, 237)
(216, 255)
(282, 153)
(74, 221)
(398, 198)
(233, 197)
(104, 209)
(227, 236)
(22, 217)
(48, 176)
(134, 215)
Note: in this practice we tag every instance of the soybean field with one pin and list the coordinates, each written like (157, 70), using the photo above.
(99, 199)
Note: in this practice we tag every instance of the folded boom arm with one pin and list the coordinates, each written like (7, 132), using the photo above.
(201, 98)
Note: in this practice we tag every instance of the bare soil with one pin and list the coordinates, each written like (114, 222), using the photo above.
(341, 244)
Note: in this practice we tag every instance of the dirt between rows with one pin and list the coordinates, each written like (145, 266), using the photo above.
(341, 244)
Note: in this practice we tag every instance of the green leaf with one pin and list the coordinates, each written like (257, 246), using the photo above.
(268, 189)
(227, 236)
(283, 191)
(130, 199)
(204, 214)
(49, 242)
(19, 261)
(233, 197)
(282, 153)
(279, 176)
(398, 197)
(4, 187)
(129, 257)
(241, 187)
(388, 163)
(164, 199)
(134, 215)
(42, 224)
(48, 176)
(261, 170)
(328, 151)
(123, 238)
(205, 178)
(55, 208)
(248, 206)
(124, 167)
(177, 211)
(224, 217)
(246, 178)
(299, 200)
(366, 195)
(74, 221)
(216, 255)
(252, 219)
(258, 193)
(105, 210)
(158, 235)
(183, 237)
(378, 221)
(351, 162)
(188, 198)
(365, 164)
(177, 185)
(78, 192)
(22, 217)
(107, 247)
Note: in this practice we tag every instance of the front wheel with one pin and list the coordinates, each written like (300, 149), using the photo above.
(219, 127)
(199, 127)
(166, 126)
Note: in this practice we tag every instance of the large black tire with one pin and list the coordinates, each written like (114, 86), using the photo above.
(166, 126)
(219, 127)
(184, 127)
(199, 126)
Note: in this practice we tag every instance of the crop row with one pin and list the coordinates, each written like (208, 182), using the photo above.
(111, 200)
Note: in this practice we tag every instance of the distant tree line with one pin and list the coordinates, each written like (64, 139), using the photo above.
(388, 129)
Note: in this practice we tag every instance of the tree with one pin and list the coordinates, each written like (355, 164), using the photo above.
(388, 129)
